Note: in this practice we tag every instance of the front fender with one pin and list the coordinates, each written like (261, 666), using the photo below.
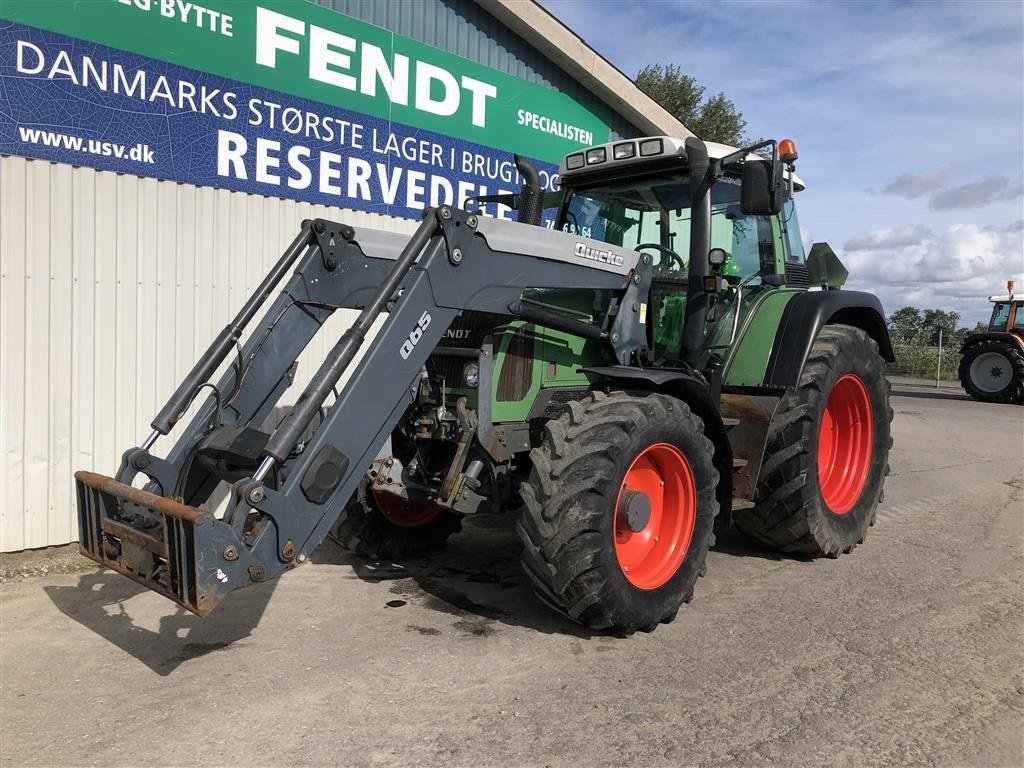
(692, 388)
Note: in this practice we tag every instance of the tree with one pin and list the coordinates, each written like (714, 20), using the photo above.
(905, 323)
(934, 319)
(714, 119)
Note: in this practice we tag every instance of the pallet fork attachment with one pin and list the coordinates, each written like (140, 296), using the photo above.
(285, 492)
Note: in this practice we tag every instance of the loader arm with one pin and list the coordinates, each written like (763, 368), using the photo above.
(284, 499)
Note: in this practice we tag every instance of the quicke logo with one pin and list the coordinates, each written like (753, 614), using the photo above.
(584, 251)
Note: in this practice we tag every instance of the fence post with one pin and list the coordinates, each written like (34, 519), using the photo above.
(938, 365)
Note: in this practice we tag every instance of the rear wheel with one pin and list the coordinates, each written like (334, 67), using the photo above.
(383, 527)
(827, 452)
(993, 371)
(618, 512)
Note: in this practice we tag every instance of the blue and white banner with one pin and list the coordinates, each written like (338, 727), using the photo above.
(71, 101)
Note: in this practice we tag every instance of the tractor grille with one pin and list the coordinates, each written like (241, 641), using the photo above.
(449, 367)
(468, 330)
(517, 370)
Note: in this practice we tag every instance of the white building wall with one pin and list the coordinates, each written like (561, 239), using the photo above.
(110, 287)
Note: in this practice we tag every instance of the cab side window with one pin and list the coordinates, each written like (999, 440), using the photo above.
(751, 247)
(1000, 314)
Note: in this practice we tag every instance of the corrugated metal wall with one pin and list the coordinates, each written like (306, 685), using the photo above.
(465, 29)
(110, 287)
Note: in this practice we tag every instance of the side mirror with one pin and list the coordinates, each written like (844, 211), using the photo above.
(761, 188)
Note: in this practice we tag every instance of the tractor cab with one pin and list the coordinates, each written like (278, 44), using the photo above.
(1007, 315)
(638, 195)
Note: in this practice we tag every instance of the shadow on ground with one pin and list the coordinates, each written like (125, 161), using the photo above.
(98, 603)
(731, 542)
(476, 579)
(934, 394)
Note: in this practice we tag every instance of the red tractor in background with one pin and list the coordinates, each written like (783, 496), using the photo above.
(992, 366)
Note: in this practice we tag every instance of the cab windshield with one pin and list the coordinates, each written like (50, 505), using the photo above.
(656, 213)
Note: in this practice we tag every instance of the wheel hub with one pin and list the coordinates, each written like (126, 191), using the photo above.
(655, 513)
(844, 444)
(635, 509)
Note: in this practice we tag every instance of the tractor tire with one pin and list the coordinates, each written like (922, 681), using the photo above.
(618, 511)
(827, 452)
(993, 371)
(364, 530)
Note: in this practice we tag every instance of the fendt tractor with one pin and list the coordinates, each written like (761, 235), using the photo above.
(992, 362)
(652, 366)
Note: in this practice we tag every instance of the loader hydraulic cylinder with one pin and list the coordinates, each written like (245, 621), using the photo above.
(326, 378)
(222, 344)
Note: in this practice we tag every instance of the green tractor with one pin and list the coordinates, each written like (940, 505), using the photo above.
(992, 362)
(666, 359)
(619, 474)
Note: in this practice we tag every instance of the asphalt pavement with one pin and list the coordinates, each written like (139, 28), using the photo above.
(908, 651)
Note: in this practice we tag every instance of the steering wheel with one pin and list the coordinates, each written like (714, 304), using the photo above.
(664, 251)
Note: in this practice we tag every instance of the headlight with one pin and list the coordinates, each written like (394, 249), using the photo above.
(471, 375)
(624, 151)
(651, 147)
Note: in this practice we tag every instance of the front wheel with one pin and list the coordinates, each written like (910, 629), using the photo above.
(383, 527)
(618, 512)
(827, 452)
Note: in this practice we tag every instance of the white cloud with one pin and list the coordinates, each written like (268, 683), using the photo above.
(917, 184)
(888, 238)
(978, 193)
(956, 269)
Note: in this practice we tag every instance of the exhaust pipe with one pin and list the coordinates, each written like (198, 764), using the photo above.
(531, 199)
(700, 244)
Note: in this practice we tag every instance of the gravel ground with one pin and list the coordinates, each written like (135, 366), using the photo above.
(908, 651)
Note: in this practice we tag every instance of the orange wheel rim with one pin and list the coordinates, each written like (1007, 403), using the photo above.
(844, 444)
(655, 513)
(403, 513)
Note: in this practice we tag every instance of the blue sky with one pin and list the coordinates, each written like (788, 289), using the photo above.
(909, 119)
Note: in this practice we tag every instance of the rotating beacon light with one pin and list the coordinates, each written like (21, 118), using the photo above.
(789, 156)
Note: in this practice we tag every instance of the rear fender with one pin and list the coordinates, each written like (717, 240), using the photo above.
(1003, 336)
(806, 314)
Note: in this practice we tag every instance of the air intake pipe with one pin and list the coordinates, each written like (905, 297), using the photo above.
(531, 199)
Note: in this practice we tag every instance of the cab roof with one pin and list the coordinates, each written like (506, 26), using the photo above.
(641, 151)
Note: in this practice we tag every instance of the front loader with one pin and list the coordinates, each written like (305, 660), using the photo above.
(650, 368)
